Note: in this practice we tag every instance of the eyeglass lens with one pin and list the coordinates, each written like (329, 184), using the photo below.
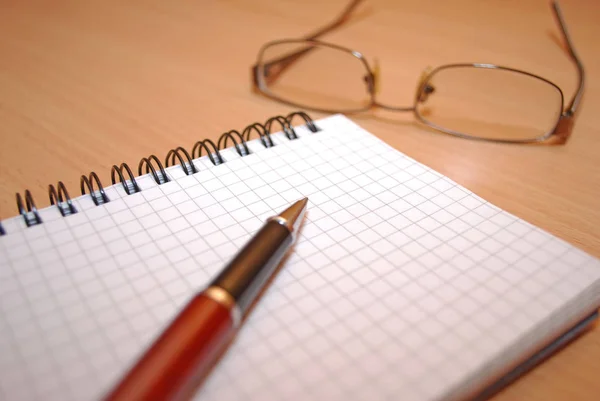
(314, 76)
(490, 103)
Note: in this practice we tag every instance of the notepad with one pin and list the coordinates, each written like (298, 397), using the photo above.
(402, 284)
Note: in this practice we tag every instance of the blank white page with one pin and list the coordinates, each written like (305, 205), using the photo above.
(402, 284)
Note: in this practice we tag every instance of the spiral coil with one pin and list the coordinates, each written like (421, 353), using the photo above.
(62, 199)
(241, 148)
(208, 145)
(152, 165)
(130, 186)
(98, 196)
(30, 214)
(187, 165)
(159, 176)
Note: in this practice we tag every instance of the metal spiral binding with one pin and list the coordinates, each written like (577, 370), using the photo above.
(61, 199)
(98, 196)
(285, 126)
(214, 156)
(30, 215)
(152, 165)
(262, 134)
(310, 124)
(187, 165)
(241, 148)
(159, 176)
(130, 186)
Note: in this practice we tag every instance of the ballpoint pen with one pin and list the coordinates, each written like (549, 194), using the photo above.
(173, 367)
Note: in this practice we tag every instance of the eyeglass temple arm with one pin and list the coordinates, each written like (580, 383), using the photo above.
(284, 62)
(340, 20)
(574, 103)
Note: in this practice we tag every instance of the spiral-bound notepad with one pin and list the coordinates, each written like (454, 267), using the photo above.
(402, 284)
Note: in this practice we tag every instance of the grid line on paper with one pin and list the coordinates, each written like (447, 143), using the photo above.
(20, 352)
(65, 381)
(109, 258)
(356, 216)
(169, 301)
(101, 327)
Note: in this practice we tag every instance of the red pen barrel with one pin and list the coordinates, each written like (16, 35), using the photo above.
(173, 366)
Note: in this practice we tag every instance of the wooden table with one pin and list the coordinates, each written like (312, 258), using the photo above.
(85, 85)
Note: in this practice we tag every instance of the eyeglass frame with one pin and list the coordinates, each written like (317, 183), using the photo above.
(560, 131)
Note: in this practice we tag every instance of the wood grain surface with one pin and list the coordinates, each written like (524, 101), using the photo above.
(88, 84)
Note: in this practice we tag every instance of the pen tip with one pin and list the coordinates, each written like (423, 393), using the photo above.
(294, 214)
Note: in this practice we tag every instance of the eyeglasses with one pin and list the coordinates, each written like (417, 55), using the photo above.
(469, 100)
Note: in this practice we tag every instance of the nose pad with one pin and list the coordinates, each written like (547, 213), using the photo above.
(424, 88)
(368, 78)
(373, 80)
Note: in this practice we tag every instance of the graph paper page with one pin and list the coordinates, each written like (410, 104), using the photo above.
(402, 284)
